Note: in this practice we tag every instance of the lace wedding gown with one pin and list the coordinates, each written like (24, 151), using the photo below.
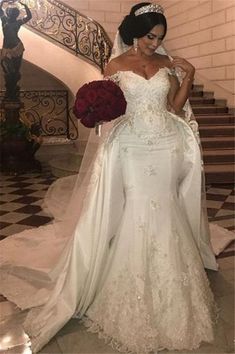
(129, 255)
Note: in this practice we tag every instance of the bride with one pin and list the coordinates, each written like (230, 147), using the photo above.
(128, 248)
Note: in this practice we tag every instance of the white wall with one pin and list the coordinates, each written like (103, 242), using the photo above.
(203, 31)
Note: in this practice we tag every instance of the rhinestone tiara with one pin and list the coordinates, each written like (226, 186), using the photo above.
(149, 8)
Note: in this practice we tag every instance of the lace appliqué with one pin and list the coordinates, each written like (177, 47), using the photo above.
(115, 78)
(150, 170)
(111, 320)
(154, 204)
(122, 311)
(155, 126)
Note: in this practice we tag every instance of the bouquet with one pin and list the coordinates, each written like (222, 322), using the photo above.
(99, 101)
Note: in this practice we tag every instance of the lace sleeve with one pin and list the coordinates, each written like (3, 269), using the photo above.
(172, 72)
(115, 78)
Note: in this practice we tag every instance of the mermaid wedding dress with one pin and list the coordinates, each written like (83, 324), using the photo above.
(129, 253)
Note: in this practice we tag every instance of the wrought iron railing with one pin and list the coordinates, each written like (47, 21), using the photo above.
(74, 31)
(50, 109)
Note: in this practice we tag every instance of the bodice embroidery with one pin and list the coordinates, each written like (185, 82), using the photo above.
(147, 116)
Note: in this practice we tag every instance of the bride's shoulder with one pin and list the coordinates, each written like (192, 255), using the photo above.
(111, 68)
(164, 60)
(115, 65)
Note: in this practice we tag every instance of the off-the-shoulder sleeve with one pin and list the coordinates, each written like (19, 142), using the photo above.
(172, 72)
(115, 78)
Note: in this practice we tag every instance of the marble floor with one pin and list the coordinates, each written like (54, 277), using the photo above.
(20, 200)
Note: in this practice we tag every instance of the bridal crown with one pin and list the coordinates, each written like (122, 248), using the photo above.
(149, 8)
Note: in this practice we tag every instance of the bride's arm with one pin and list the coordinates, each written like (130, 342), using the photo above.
(179, 94)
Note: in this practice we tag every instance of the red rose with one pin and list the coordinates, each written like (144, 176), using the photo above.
(91, 96)
(97, 101)
(80, 106)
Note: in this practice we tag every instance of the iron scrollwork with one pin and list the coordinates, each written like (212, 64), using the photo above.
(50, 109)
(76, 32)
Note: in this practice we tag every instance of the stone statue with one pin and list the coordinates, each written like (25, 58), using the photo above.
(12, 50)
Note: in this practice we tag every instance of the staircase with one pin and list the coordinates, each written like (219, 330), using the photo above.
(217, 132)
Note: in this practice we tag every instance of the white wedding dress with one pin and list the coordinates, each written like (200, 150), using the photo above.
(128, 255)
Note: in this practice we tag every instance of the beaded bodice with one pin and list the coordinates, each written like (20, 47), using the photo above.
(142, 94)
(146, 112)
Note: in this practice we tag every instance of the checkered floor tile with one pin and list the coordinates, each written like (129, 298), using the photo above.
(21, 197)
(20, 201)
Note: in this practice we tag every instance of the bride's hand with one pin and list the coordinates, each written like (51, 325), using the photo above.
(183, 64)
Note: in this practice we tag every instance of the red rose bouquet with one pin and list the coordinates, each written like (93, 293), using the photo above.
(99, 101)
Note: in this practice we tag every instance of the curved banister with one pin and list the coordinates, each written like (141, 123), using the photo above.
(50, 110)
(71, 29)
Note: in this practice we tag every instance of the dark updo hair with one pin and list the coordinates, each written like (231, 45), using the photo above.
(138, 26)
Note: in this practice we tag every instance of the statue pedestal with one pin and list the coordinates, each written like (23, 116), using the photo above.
(11, 110)
(17, 151)
(17, 156)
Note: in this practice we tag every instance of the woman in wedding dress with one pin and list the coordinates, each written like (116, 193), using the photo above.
(128, 248)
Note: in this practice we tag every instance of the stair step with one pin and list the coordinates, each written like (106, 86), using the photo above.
(219, 173)
(215, 119)
(209, 109)
(54, 146)
(195, 101)
(225, 142)
(218, 156)
(197, 87)
(67, 165)
(207, 94)
(217, 130)
(56, 140)
(195, 94)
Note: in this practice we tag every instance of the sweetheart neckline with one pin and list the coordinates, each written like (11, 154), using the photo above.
(142, 77)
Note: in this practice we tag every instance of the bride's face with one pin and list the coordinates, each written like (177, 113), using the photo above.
(152, 40)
